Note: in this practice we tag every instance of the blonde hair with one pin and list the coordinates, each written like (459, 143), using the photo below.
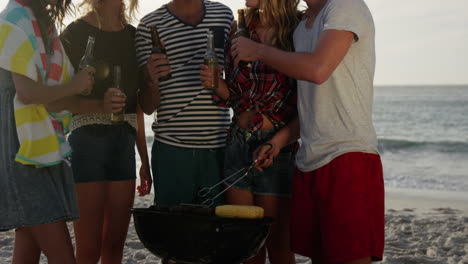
(126, 16)
(280, 17)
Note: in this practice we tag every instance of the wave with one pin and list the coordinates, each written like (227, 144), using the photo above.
(394, 145)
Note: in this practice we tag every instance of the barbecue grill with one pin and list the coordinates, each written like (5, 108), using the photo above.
(191, 237)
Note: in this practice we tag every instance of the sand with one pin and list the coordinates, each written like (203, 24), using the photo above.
(421, 227)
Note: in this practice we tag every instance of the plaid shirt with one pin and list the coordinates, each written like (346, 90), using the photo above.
(259, 88)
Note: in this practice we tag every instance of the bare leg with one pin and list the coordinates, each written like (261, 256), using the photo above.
(26, 250)
(119, 201)
(52, 239)
(278, 246)
(239, 197)
(88, 230)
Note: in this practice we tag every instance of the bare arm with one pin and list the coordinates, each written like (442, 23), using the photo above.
(76, 105)
(82, 105)
(316, 66)
(63, 97)
(145, 173)
(31, 92)
(156, 67)
(149, 96)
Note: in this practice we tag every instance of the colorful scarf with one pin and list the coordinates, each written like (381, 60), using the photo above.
(41, 134)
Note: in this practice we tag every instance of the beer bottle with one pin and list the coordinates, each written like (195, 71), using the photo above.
(242, 31)
(119, 116)
(87, 60)
(158, 48)
(212, 62)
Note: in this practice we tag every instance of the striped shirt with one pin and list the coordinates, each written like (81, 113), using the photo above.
(187, 116)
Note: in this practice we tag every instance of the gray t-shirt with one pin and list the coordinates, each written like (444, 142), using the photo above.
(336, 116)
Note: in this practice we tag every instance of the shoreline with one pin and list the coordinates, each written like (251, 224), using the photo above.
(424, 200)
(422, 226)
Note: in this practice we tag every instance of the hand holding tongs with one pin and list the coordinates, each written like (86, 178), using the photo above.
(205, 191)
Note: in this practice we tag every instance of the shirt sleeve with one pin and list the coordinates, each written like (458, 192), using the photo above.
(143, 44)
(349, 15)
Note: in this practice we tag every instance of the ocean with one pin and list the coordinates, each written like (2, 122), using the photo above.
(423, 136)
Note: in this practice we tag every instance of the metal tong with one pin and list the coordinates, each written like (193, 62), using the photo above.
(207, 190)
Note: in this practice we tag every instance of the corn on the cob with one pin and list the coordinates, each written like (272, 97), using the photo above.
(239, 211)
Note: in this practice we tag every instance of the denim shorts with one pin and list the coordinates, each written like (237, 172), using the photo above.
(103, 153)
(275, 180)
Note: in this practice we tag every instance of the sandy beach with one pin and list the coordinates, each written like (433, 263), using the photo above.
(422, 227)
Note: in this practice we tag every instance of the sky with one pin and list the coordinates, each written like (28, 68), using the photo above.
(418, 42)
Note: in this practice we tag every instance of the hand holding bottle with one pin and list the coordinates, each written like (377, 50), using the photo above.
(244, 49)
(114, 100)
(83, 81)
(119, 116)
(207, 75)
(157, 68)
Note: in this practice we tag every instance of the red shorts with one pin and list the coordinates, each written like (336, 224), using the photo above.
(337, 212)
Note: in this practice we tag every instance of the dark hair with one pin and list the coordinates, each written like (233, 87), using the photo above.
(47, 16)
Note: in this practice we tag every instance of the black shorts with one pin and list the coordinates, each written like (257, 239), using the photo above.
(103, 153)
